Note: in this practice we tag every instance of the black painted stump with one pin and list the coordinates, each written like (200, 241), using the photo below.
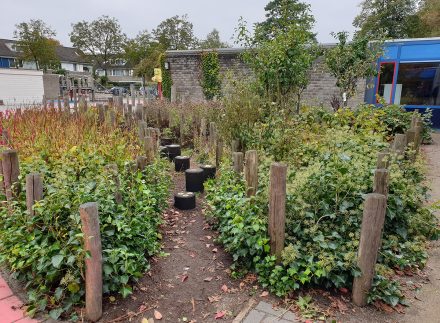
(208, 171)
(185, 201)
(166, 141)
(194, 179)
(181, 163)
(173, 151)
(163, 151)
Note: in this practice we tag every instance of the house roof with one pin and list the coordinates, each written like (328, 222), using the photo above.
(65, 54)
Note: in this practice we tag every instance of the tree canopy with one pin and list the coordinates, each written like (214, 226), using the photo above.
(351, 61)
(281, 16)
(213, 41)
(387, 18)
(102, 39)
(175, 33)
(429, 16)
(36, 42)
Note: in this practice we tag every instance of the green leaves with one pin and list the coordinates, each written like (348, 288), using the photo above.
(56, 260)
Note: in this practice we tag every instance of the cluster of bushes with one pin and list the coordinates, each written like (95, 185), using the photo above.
(73, 155)
(331, 159)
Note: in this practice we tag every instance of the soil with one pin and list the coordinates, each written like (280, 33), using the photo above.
(192, 282)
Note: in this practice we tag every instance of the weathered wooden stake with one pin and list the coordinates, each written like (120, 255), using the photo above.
(149, 149)
(277, 208)
(203, 129)
(399, 144)
(34, 191)
(371, 235)
(139, 111)
(380, 184)
(218, 153)
(11, 171)
(235, 146)
(417, 138)
(251, 172)
(141, 162)
(383, 160)
(237, 159)
(212, 135)
(92, 244)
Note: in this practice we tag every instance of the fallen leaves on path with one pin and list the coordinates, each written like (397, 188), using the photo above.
(220, 315)
(225, 288)
(157, 315)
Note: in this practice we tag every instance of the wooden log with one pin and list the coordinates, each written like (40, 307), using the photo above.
(410, 138)
(399, 144)
(371, 234)
(237, 159)
(380, 183)
(203, 129)
(235, 145)
(139, 112)
(251, 172)
(277, 208)
(218, 153)
(212, 135)
(59, 104)
(92, 244)
(156, 132)
(141, 162)
(417, 138)
(149, 149)
(383, 160)
(11, 171)
(34, 191)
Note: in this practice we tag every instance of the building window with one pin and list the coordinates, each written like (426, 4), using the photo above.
(386, 78)
(418, 84)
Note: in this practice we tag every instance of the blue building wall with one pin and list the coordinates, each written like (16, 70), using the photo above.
(410, 75)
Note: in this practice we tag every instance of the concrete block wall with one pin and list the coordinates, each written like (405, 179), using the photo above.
(185, 72)
(51, 83)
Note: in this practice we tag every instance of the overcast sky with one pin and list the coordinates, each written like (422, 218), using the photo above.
(137, 15)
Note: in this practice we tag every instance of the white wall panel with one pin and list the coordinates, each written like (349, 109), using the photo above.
(21, 87)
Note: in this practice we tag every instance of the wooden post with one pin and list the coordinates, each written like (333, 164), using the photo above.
(133, 95)
(218, 153)
(399, 144)
(139, 112)
(92, 244)
(101, 113)
(380, 184)
(410, 137)
(235, 146)
(371, 234)
(383, 160)
(141, 162)
(203, 129)
(251, 172)
(59, 104)
(149, 149)
(141, 130)
(237, 159)
(277, 208)
(34, 191)
(182, 128)
(11, 171)
(212, 135)
(417, 138)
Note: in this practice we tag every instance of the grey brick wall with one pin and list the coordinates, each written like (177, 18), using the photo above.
(51, 84)
(185, 73)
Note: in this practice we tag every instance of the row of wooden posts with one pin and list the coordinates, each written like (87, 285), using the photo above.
(372, 222)
(374, 207)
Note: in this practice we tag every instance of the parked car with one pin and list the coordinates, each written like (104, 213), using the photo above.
(117, 90)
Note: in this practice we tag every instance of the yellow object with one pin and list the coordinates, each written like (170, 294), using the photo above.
(157, 75)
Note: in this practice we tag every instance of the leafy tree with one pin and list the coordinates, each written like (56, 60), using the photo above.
(150, 61)
(282, 50)
(36, 43)
(281, 15)
(175, 33)
(213, 41)
(102, 39)
(349, 62)
(387, 18)
(429, 15)
(137, 48)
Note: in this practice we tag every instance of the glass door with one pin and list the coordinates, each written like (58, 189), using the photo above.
(386, 81)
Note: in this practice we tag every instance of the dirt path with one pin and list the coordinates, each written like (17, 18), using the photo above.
(426, 307)
(192, 283)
